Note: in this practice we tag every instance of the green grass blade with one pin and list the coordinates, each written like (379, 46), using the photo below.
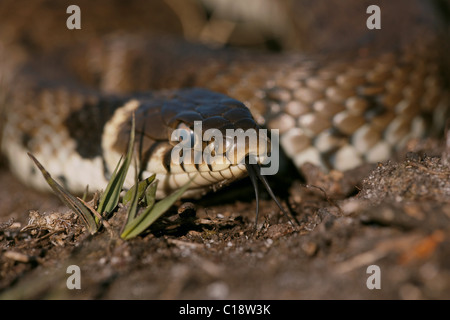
(142, 187)
(110, 198)
(85, 193)
(150, 194)
(107, 193)
(70, 201)
(150, 198)
(133, 208)
(143, 221)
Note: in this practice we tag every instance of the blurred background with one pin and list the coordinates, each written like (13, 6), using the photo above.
(257, 23)
(263, 24)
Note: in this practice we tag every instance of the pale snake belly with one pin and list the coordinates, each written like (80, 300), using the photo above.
(72, 109)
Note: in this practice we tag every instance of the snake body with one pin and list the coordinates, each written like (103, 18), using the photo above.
(337, 109)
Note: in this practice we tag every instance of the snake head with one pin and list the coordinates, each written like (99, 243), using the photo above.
(200, 135)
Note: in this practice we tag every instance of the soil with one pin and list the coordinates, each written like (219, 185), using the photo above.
(398, 220)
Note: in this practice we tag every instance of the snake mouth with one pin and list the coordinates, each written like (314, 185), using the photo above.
(254, 172)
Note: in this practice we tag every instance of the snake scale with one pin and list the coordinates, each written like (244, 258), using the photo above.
(353, 96)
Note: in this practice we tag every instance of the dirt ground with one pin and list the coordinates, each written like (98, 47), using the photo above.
(398, 220)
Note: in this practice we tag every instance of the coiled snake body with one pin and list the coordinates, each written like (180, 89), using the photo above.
(336, 109)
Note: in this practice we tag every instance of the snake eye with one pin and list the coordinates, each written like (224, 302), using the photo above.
(181, 134)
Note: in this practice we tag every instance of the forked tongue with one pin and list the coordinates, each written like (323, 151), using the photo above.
(254, 172)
